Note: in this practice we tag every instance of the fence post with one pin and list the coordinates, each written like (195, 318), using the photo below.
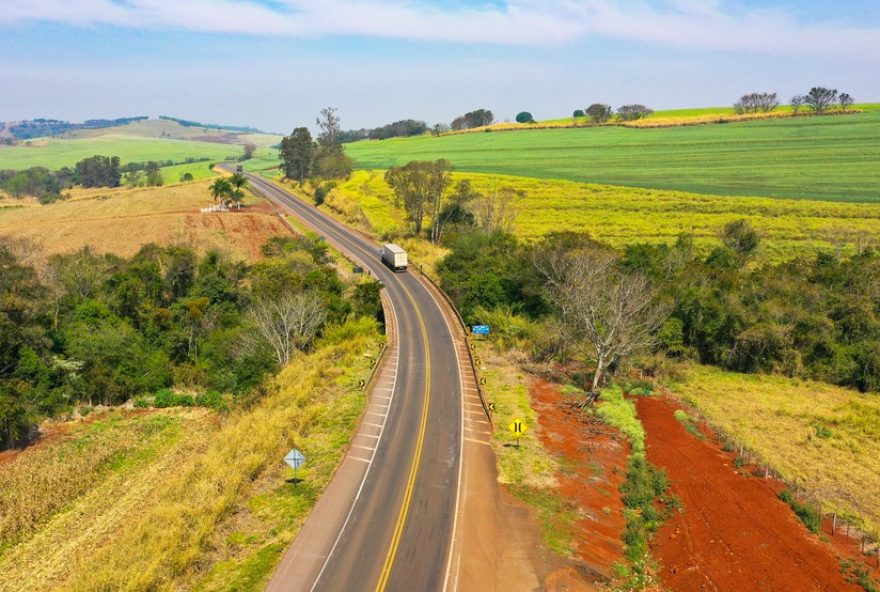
(833, 522)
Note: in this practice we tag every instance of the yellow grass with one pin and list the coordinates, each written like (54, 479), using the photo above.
(824, 438)
(168, 522)
(623, 215)
(122, 220)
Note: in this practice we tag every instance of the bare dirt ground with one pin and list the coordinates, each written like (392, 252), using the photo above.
(734, 533)
(592, 459)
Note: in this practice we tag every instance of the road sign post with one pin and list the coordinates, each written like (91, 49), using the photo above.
(483, 330)
(518, 428)
(295, 459)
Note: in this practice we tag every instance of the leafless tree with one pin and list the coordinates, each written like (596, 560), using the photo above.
(797, 102)
(287, 323)
(845, 101)
(616, 313)
(498, 209)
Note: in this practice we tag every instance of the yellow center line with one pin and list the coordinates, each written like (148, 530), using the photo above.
(414, 469)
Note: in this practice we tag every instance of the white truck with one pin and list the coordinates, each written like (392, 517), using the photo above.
(394, 257)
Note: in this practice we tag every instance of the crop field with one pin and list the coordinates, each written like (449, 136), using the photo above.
(621, 215)
(55, 153)
(122, 220)
(833, 158)
(181, 498)
(824, 438)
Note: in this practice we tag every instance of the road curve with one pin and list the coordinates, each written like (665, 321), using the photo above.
(395, 532)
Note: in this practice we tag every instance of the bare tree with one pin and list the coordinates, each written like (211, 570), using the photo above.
(498, 209)
(845, 101)
(287, 323)
(819, 99)
(797, 102)
(617, 313)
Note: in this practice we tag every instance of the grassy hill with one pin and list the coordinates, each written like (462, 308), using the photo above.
(835, 158)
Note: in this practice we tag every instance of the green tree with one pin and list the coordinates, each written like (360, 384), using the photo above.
(220, 190)
(740, 236)
(418, 186)
(153, 174)
(599, 113)
(297, 154)
(524, 117)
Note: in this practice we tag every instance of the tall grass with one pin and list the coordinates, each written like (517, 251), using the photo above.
(166, 541)
(44, 480)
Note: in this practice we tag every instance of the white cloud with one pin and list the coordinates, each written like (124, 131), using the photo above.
(701, 24)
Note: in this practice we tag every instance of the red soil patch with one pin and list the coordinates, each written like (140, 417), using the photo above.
(734, 533)
(593, 460)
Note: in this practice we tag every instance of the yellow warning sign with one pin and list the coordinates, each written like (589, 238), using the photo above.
(517, 427)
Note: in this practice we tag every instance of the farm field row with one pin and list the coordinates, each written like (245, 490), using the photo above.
(824, 438)
(55, 153)
(834, 158)
(621, 215)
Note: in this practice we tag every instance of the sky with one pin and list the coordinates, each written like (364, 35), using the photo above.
(274, 64)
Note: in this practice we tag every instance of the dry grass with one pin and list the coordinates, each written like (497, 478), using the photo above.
(824, 438)
(43, 480)
(122, 220)
(169, 522)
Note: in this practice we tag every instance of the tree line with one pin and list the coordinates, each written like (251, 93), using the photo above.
(96, 171)
(567, 295)
(818, 100)
(86, 329)
(399, 129)
(601, 113)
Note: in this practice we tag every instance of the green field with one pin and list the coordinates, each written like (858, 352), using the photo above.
(835, 158)
(55, 153)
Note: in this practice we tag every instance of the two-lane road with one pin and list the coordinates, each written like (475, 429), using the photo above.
(398, 525)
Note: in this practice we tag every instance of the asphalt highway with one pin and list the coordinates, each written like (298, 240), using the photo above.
(399, 526)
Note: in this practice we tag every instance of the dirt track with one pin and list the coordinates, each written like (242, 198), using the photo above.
(734, 534)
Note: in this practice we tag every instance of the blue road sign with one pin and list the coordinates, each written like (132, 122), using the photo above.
(480, 329)
(295, 459)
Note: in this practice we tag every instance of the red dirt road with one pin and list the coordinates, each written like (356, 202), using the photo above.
(734, 534)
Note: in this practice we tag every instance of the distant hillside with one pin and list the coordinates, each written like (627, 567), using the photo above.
(38, 128)
(228, 128)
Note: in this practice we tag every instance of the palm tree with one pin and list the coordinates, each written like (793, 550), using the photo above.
(220, 189)
(239, 182)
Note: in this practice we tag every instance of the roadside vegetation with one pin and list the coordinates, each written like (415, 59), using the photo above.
(203, 500)
(87, 329)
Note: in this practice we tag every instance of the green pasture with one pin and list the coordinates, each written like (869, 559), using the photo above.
(55, 153)
(834, 158)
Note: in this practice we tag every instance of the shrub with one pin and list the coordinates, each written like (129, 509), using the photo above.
(524, 117)
(141, 403)
(578, 113)
(164, 398)
(211, 400)
(807, 514)
(186, 177)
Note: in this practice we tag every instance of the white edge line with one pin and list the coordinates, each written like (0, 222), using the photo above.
(452, 543)
(369, 464)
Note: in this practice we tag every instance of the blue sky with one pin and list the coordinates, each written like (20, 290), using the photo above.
(274, 64)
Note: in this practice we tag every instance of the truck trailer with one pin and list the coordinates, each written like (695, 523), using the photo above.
(394, 257)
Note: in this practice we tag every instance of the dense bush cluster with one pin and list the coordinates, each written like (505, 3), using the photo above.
(472, 119)
(399, 129)
(37, 182)
(814, 317)
(98, 329)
